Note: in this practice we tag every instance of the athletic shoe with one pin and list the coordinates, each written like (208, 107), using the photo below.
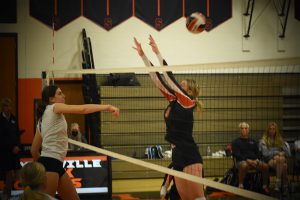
(163, 191)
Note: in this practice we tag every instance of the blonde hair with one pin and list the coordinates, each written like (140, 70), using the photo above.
(278, 140)
(193, 86)
(5, 102)
(33, 175)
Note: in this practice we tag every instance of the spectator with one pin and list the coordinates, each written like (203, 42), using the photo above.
(296, 169)
(75, 134)
(33, 179)
(9, 146)
(297, 154)
(275, 150)
(297, 146)
(246, 152)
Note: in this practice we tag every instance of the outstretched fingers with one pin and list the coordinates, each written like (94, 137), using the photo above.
(153, 45)
(138, 47)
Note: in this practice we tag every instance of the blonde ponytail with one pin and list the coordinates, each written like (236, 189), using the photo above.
(192, 85)
(33, 175)
(30, 194)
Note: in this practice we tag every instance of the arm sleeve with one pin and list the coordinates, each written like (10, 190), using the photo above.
(266, 153)
(236, 151)
(16, 139)
(257, 150)
(158, 81)
(2, 141)
(183, 98)
(286, 149)
(18, 134)
(297, 144)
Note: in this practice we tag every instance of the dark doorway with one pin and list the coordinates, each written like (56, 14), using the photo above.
(9, 69)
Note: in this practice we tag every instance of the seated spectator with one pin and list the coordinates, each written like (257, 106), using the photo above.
(275, 150)
(245, 151)
(33, 179)
(297, 145)
(75, 134)
(297, 153)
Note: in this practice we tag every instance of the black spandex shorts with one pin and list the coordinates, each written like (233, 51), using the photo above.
(52, 165)
(181, 158)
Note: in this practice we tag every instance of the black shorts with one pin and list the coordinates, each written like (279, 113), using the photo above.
(9, 161)
(52, 165)
(182, 158)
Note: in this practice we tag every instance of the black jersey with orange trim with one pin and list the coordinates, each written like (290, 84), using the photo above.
(180, 119)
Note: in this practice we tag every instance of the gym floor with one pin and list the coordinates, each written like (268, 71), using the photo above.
(149, 189)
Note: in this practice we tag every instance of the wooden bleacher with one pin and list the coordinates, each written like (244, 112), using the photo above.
(228, 99)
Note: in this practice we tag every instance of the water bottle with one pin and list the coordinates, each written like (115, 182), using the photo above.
(208, 151)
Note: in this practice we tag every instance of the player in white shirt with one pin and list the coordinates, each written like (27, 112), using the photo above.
(51, 135)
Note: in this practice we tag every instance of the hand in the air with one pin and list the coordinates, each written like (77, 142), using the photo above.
(153, 45)
(138, 47)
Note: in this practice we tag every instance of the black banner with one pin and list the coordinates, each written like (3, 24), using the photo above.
(89, 174)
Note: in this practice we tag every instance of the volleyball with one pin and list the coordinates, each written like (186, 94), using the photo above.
(196, 22)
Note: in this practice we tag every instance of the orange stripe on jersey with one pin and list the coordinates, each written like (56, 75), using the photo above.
(185, 101)
(169, 96)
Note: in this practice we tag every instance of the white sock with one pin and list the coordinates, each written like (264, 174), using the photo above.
(163, 191)
(241, 185)
(200, 198)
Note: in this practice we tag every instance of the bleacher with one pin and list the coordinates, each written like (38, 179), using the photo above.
(228, 99)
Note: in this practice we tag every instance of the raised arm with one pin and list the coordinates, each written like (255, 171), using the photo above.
(155, 49)
(155, 76)
(183, 98)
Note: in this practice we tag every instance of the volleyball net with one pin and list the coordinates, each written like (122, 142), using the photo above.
(257, 92)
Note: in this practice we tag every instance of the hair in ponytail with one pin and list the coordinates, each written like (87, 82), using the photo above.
(192, 85)
(29, 194)
(48, 91)
(33, 176)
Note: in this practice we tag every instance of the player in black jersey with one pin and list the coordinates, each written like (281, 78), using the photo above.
(183, 99)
